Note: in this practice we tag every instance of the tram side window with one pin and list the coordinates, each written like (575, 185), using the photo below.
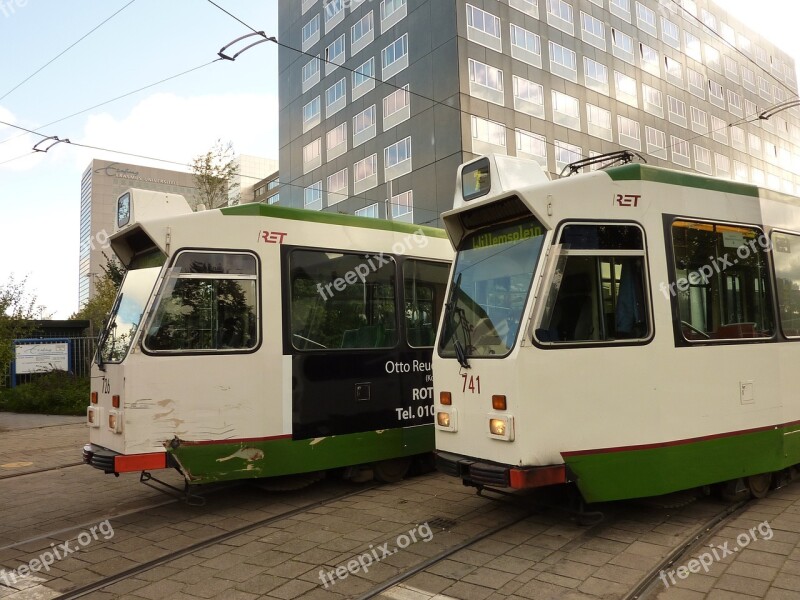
(425, 283)
(786, 257)
(721, 281)
(599, 291)
(209, 303)
(342, 300)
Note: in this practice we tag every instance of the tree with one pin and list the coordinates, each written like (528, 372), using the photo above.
(215, 175)
(18, 310)
(96, 310)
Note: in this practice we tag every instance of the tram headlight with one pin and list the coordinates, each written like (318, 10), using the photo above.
(447, 420)
(114, 421)
(93, 416)
(501, 427)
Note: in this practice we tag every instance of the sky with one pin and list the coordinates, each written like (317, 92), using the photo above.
(145, 42)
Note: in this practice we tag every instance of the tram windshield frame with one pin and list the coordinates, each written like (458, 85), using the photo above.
(489, 291)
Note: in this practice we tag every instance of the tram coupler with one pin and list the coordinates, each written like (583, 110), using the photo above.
(185, 494)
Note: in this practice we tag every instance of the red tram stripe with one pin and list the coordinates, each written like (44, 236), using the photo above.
(682, 442)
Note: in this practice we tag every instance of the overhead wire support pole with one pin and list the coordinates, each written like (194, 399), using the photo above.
(261, 34)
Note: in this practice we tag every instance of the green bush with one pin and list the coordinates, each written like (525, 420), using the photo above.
(55, 393)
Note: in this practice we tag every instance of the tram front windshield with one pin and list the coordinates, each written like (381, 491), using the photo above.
(127, 313)
(491, 280)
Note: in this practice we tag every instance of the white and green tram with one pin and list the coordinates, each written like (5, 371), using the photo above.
(257, 341)
(634, 330)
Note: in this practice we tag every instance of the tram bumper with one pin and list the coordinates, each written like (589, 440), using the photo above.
(109, 461)
(488, 474)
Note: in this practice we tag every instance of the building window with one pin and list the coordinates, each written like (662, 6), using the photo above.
(403, 206)
(311, 114)
(723, 165)
(533, 145)
(676, 110)
(674, 71)
(744, 44)
(334, 13)
(528, 97)
(697, 83)
(728, 34)
(394, 58)
(646, 19)
(599, 122)
(392, 12)
(719, 130)
(670, 34)
(396, 107)
(713, 59)
(312, 196)
(485, 75)
(626, 89)
(621, 8)
(757, 176)
(595, 75)
(622, 45)
(364, 126)
(566, 154)
(735, 103)
(629, 133)
(656, 142)
(563, 62)
(559, 15)
(740, 171)
(336, 141)
(483, 28)
(310, 33)
(699, 120)
(370, 211)
(716, 93)
(566, 111)
(761, 57)
(764, 89)
(593, 31)
(312, 155)
(364, 78)
(693, 46)
(362, 33)
(755, 144)
(737, 138)
(487, 131)
(731, 69)
(709, 20)
(749, 79)
(529, 7)
(335, 97)
(311, 73)
(397, 159)
(653, 104)
(650, 61)
(338, 187)
(334, 54)
(526, 46)
(680, 151)
(365, 174)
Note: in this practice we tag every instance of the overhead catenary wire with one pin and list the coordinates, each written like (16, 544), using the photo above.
(63, 52)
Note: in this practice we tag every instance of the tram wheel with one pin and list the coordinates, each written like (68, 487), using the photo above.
(734, 490)
(391, 471)
(759, 484)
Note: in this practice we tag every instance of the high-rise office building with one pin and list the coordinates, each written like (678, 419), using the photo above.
(102, 183)
(380, 101)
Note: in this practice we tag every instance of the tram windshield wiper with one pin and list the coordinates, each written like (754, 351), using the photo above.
(453, 312)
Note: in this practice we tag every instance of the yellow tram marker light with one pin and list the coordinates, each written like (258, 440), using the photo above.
(445, 398)
(115, 401)
(499, 402)
(94, 397)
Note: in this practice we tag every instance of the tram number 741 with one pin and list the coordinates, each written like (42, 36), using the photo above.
(471, 383)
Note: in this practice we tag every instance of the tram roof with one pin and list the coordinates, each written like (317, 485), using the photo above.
(313, 216)
(638, 171)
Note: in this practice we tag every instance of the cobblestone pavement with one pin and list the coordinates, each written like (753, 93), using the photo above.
(311, 554)
(27, 450)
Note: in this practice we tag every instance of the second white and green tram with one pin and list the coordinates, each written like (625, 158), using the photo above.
(633, 330)
(256, 341)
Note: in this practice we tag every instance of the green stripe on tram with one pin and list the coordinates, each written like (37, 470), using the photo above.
(208, 463)
(655, 471)
(313, 216)
(635, 171)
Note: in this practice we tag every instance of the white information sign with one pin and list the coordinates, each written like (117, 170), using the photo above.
(39, 358)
